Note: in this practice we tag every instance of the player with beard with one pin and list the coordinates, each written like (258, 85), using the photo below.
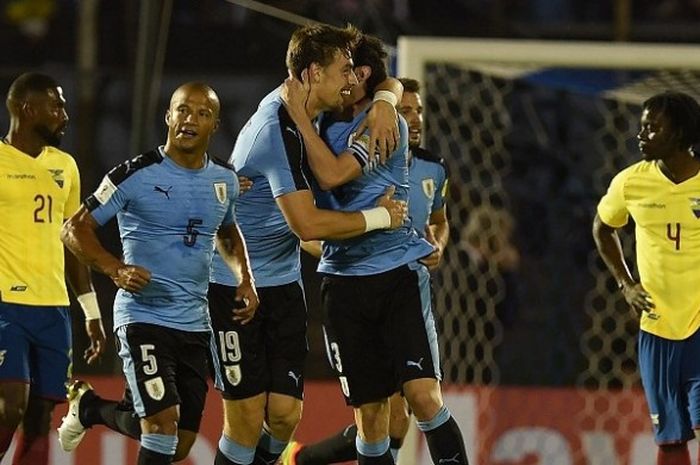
(661, 194)
(426, 208)
(40, 188)
(172, 204)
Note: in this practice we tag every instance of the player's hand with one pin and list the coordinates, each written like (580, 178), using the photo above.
(432, 261)
(638, 299)
(398, 209)
(96, 333)
(131, 278)
(294, 94)
(383, 124)
(244, 185)
(246, 302)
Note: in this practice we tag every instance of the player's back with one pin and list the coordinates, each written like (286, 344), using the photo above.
(381, 250)
(428, 184)
(168, 217)
(268, 151)
(36, 195)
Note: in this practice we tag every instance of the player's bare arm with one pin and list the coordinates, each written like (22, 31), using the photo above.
(231, 246)
(437, 232)
(79, 235)
(78, 277)
(313, 248)
(382, 120)
(610, 249)
(312, 223)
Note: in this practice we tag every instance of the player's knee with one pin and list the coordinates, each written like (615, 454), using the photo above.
(164, 422)
(373, 421)
(284, 421)
(11, 414)
(425, 403)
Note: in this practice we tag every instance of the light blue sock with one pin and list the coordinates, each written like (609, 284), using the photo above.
(441, 417)
(374, 449)
(271, 444)
(236, 452)
(161, 443)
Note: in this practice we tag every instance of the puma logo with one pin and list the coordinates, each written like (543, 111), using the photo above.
(418, 364)
(454, 459)
(165, 192)
(295, 377)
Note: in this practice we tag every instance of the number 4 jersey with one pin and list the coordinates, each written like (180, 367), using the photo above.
(36, 195)
(667, 219)
(168, 216)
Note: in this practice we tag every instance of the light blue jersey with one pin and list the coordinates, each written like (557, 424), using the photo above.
(269, 151)
(428, 181)
(168, 217)
(376, 251)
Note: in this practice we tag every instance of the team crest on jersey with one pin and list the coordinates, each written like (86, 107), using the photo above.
(233, 374)
(57, 176)
(429, 187)
(695, 206)
(220, 190)
(155, 388)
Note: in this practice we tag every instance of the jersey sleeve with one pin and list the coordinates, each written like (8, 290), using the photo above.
(108, 199)
(73, 200)
(612, 208)
(279, 155)
(440, 189)
(359, 148)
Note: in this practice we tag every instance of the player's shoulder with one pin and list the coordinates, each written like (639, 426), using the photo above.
(127, 169)
(222, 164)
(637, 170)
(423, 154)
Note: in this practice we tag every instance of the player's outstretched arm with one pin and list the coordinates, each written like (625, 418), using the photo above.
(231, 246)
(78, 234)
(608, 243)
(312, 223)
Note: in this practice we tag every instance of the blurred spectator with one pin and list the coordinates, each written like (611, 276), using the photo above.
(31, 17)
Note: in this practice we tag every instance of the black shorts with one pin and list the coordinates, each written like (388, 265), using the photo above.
(380, 331)
(268, 353)
(166, 367)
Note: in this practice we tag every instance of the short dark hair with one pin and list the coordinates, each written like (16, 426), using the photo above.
(318, 43)
(370, 52)
(682, 111)
(28, 83)
(410, 85)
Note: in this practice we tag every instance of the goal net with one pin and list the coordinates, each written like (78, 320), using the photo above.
(530, 319)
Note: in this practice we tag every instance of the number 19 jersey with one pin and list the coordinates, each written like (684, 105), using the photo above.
(667, 219)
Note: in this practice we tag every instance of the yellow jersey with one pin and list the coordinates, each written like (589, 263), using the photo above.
(36, 196)
(667, 232)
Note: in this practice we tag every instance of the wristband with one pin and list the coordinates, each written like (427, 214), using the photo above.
(376, 218)
(91, 309)
(386, 96)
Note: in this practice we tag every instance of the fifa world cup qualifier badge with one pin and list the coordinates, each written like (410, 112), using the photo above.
(695, 206)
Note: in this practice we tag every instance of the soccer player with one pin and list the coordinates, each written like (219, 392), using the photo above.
(40, 188)
(172, 204)
(264, 361)
(661, 193)
(382, 336)
(426, 206)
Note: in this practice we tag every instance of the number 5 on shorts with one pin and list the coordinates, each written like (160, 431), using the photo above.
(150, 365)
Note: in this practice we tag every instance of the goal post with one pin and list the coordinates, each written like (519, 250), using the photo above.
(531, 133)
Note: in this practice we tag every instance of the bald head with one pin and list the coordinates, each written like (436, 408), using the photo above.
(25, 86)
(187, 90)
